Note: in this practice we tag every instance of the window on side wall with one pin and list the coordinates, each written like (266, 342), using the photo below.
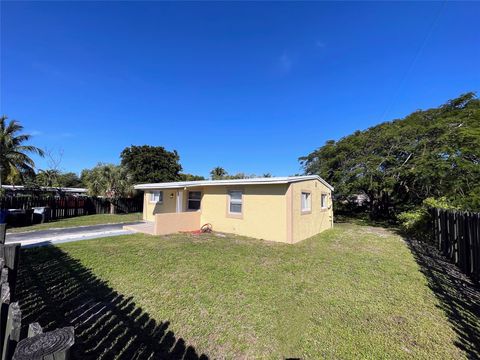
(324, 201)
(235, 203)
(156, 197)
(306, 201)
(194, 200)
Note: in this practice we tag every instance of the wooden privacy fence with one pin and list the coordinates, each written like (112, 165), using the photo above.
(34, 345)
(457, 235)
(71, 206)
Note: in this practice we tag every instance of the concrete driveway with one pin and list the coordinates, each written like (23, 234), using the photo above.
(62, 235)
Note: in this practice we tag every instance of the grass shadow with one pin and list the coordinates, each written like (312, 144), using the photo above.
(56, 290)
(459, 297)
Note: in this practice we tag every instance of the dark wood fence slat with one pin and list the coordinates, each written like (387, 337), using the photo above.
(11, 254)
(3, 230)
(68, 206)
(457, 235)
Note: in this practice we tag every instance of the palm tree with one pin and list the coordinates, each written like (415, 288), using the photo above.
(48, 178)
(218, 173)
(107, 180)
(14, 161)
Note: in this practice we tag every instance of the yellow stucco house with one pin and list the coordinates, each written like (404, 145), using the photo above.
(283, 209)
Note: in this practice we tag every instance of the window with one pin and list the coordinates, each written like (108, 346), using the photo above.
(306, 202)
(156, 197)
(323, 201)
(194, 199)
(235, 202)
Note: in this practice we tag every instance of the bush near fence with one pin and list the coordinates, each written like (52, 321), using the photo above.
(65, 207)
(457, 235)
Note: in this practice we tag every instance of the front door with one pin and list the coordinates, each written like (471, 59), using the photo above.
(179, 201)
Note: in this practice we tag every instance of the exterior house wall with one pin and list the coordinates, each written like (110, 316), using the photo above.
(167, 206)
(305, 225)
(269, 211)
(263, 211)
(169, 223)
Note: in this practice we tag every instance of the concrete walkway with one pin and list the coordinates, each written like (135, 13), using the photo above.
(62, 235)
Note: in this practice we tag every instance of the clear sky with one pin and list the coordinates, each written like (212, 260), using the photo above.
(246, 86)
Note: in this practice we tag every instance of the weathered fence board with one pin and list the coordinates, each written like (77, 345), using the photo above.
(38, 345)
(10, 253)
(12, 331)
(51, 345)
(34, 329)
(3, 230)
(5, 298)
(457, 235)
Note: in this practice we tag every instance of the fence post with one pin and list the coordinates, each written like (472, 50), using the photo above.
(3, 231)
(34, 329)
(5, 303)
(12, 331)
(55, 344)
(11, 254)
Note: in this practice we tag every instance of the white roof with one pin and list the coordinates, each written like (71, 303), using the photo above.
(45, 188)
(251, 181)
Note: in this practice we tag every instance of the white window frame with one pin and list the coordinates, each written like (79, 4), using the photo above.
(324, 205)
(306, 207)
(154, 195)
(235, 202)
(199, 200)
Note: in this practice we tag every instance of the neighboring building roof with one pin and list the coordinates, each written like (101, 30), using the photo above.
(251, 181)
(44, 188)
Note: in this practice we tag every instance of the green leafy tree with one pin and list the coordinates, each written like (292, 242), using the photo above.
(151, 164)
(15, 163)
(430, 153)
(69, 179)
(190, 177)
(55, 178)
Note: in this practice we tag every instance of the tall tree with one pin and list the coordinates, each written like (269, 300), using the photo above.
(150, 164)
(48, 178)
(69, 179)
(398, 164)
(15, 163)
(56, 178)
(190, 177)
(218, 173)
(107, 180)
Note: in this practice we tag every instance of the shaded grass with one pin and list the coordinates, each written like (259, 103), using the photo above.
(350, 292)
(459, 296)
(86, 220)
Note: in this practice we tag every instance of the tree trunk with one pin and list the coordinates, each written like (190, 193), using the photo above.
(112, 207)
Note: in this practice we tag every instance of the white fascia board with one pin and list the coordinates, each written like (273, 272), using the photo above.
(251, 181)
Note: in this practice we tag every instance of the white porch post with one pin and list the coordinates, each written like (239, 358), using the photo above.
(179, 201)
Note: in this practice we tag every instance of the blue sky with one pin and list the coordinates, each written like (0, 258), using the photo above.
(246, 86)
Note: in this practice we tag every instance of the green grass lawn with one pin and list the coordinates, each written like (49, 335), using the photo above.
(80, 221)
(351, 292)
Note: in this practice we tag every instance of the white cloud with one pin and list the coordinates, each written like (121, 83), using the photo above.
(49, 134)
(285, 63)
